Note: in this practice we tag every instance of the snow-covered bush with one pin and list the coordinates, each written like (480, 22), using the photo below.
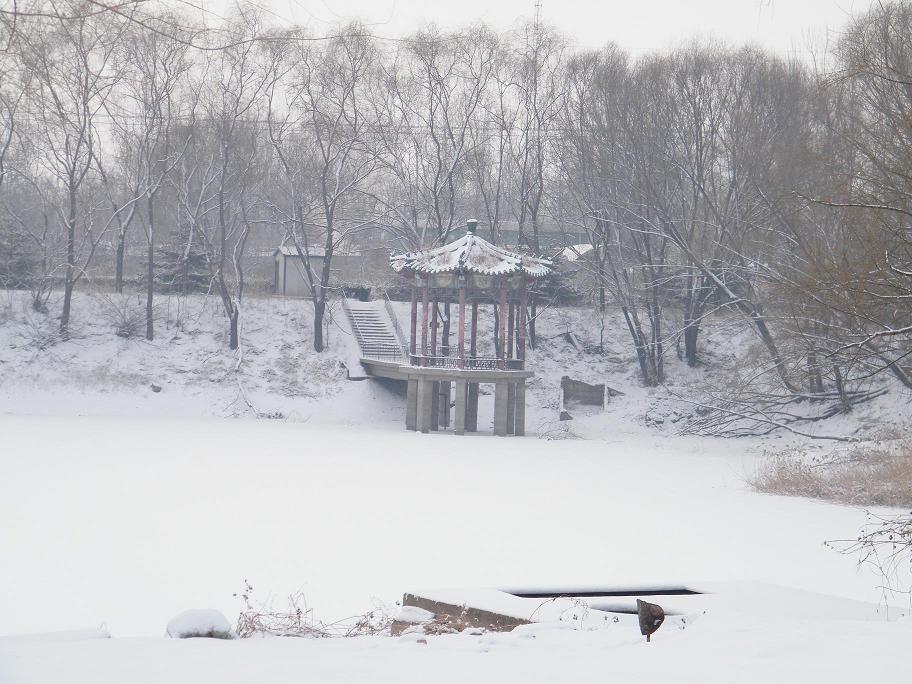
(125, 315)
(297, 619)
(871, 474)
(206, 623)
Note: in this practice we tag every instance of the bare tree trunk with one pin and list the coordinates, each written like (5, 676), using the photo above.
(233, 339)
(693, 315)
(69, 280)
(655, 318)
(150, 265)
(319, 312)
(119, 263)
(639, 343)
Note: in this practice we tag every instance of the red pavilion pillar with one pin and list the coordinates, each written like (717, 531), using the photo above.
(413, 335)
(460, 338)
(502, 326)
(510, 327)
(523, 325)
(424, 321)
(434, 328)
(471, 416)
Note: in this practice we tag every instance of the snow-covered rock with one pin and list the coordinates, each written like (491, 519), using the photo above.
(200, 623)
(413, 615)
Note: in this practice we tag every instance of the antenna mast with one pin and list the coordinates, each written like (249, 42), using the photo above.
(538, 9)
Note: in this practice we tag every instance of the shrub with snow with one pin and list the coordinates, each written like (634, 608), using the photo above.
(200, 623)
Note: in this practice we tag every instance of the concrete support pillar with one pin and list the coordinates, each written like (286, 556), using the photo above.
(459, 419)
(519, 423)
(511, 407)
(411, 405)
(444, 404)
(501, 389)
(471, 419)
(435, 406)
(424, 404)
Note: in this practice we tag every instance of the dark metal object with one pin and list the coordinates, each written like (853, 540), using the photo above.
(651, 617)
(600, 593)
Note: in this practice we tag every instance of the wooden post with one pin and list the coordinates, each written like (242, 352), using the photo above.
(521, 344)
(461, 334)
(473, 339)
(413, 337)
(502, 326)
(424, 322)
(434, 328)
(510, 323)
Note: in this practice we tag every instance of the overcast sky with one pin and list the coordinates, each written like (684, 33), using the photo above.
(785, 26)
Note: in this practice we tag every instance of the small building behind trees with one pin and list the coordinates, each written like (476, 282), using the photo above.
(350, 272)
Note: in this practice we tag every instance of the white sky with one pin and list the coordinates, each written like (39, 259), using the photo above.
(785, 26)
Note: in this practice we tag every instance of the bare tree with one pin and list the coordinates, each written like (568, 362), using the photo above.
(155, 66)
(73, 77)
(320, 140)
(220, 167)
(429, 99)
(539, 69)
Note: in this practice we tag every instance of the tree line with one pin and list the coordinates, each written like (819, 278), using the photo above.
(706, 178)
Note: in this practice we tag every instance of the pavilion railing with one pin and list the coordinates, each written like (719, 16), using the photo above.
(382, 352)
(466, 364)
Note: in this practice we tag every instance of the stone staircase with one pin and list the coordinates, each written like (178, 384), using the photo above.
(374, 330)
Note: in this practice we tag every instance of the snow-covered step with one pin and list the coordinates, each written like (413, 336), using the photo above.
(373, 330)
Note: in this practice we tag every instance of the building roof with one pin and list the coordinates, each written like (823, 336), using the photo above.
(470, 254)
(291, 251)
(574, 252)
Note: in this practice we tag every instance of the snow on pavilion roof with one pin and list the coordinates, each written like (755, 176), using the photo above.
(470, 254)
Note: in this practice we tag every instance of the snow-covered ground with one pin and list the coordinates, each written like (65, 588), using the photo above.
(97, 373)
(128, 522)
(719, 651)
(124, 506)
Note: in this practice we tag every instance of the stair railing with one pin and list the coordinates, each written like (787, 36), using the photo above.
(394, 319)
(359, 334)
(369, 347)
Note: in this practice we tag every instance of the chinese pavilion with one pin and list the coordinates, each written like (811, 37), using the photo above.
(464, 274)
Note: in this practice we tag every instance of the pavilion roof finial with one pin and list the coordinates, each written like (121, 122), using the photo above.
(471, 226)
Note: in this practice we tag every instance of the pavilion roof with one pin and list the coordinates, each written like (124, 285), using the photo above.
(470, 254)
